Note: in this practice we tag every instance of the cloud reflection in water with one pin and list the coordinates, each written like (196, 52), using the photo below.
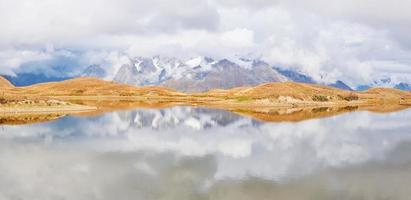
(186, 153)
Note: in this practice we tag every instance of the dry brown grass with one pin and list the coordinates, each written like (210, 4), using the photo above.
(5, 83)
(108, 96)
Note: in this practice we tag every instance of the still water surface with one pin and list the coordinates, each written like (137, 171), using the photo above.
(191, 153)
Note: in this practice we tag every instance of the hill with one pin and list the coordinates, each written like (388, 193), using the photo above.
(90, 87)
(4, 83)
(93, 95)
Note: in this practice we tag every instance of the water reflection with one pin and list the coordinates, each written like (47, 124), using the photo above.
(188, 153)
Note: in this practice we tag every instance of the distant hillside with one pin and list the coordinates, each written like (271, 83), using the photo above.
(403, 86)
(90, 87)
(26, 79)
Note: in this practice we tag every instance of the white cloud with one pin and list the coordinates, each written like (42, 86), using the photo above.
(12, 59)
(353, 41)
(238, 38)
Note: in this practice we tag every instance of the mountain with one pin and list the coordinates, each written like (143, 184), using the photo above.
(197, 74)
(341, 85)
(25, 79)
(294, 75)
(403, 86)
(149, 71)
(385, 82)
(362, 87)
(204, 73)
(225, 74)
(94, 71)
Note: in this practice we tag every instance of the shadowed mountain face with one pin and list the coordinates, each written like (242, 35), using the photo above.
(295, 76)
(403, 86)
(341, 85)
(95, 71)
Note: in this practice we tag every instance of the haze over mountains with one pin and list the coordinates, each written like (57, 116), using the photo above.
(199, 74)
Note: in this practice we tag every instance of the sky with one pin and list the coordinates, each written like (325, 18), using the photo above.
(357, 41)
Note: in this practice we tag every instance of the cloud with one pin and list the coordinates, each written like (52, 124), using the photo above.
(12, 59)
(65, 22)
(352, 41)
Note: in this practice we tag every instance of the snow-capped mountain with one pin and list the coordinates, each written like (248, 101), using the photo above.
(204, 73)
(197, 74)
(385, 82)
(225, 74)
(201, 74)
(149, 71)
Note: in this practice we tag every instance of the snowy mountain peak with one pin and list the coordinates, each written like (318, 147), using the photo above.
(199, 61)
(203, 73)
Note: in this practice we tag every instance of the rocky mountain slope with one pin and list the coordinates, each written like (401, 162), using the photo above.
(198, 74)
(203, 73)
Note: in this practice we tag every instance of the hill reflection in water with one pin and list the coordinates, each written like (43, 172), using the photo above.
(193, 153)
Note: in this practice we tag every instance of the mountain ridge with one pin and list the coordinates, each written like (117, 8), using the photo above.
(199, 74)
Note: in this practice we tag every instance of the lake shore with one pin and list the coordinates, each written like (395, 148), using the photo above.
(89, 95)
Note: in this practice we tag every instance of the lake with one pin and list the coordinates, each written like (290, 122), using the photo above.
(194, 153)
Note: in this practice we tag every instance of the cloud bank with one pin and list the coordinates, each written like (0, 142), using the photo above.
(355, 41)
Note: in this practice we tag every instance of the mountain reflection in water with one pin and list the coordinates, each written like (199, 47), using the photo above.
(192, 153)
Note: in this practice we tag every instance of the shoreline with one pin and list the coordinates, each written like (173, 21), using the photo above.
(268, 113)
(94, 96)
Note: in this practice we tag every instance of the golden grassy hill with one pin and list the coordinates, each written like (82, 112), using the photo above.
(89, 87)
(4, 83)
(269, 94)
(306, 92)
(265, 101)
(299, 91)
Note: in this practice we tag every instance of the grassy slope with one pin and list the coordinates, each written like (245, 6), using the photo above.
(287, 94)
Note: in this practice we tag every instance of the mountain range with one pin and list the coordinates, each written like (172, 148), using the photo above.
(204, 73)
(199, 74)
